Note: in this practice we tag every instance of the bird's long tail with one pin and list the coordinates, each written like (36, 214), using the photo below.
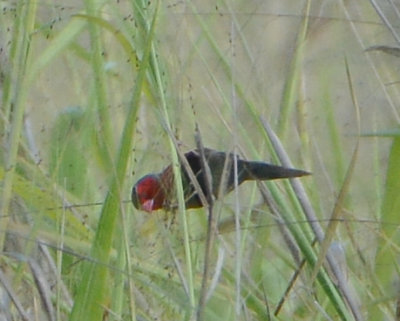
(264, 171)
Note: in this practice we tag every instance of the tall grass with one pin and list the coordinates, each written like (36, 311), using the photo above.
(99, 93)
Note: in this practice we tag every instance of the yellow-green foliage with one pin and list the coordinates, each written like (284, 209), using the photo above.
(95, 94)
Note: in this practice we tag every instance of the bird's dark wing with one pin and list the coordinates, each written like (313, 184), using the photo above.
(223, 176)
(220, 166)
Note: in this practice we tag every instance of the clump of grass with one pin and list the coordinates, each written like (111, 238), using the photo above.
(95, 93)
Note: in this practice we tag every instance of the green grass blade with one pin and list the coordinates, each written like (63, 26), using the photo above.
(386, 261)
(290, 92)
(16, 101)
(91, 296)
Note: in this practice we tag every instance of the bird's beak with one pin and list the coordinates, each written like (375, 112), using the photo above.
(148, 205)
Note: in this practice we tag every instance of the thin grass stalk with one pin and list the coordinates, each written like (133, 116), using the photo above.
(211, 229)
(337, 212)
(176, 153)
(14, 78)
(290, 285)
(325, 281)
(43, 288)
(25, 316)
(290, 92)
(93, 290)
(165, 121)
(105, 138)
(60, 42)
(17, 97)
(381, 81)
(387, 23)
(118, 291)
(333, 131)
(126, 224)
(59, 258)
(238, 234)
(387, 248)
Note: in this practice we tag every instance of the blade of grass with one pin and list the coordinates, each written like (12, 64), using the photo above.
(93, 289)
(337, 211)
(211, 228)
(58, 44)
(26, 73)
(387, 253)
(176, 155)
(289, 97)
(324, 280)
(14, 298)
(100, 91)
(16, 100)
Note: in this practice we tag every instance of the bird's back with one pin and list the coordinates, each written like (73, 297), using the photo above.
(222, 172)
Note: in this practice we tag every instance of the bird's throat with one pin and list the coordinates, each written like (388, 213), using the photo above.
(148, 205)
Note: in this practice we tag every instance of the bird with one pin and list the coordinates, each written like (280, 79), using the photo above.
(157, 191)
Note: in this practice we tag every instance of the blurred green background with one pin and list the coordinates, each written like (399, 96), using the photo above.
(95, 93)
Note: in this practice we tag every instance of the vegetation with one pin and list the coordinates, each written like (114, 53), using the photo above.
(96, 94)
